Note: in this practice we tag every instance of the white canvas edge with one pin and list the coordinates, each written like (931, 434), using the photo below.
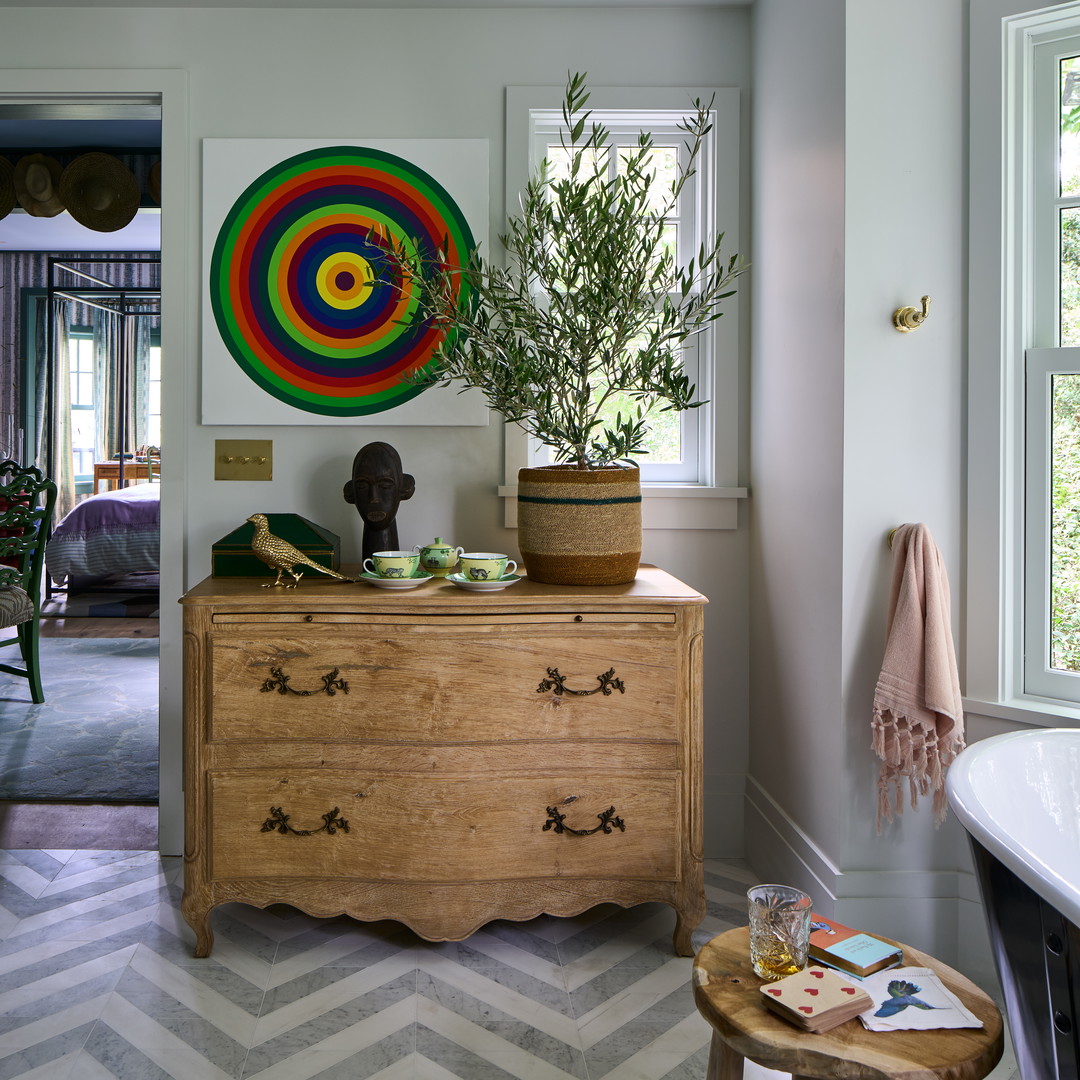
(229, 396)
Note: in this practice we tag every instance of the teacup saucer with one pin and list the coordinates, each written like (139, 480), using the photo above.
(463, 582)
(395, 582)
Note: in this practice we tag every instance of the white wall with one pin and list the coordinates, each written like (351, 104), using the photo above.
(375, 74)
(904, 407)
(856, 427)
(797, 431)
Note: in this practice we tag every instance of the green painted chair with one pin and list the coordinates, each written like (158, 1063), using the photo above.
(27, 500)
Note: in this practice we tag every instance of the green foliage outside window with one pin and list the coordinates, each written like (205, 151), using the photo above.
(1065, 435)
(1065, 525)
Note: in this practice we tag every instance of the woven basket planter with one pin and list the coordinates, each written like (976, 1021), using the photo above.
(580, 526)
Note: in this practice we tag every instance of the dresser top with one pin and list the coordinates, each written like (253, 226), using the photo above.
(651, 586)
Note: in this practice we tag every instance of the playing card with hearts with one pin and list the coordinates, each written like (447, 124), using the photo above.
(815, 999)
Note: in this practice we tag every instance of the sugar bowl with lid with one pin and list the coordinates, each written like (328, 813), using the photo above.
(438, 557)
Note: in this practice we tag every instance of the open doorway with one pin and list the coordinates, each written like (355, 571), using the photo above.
(80, 398)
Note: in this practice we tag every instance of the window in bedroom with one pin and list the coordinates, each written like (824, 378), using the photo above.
(83, 417)
(153, 387)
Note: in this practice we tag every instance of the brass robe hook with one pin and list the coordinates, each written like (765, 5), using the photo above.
(906, 319)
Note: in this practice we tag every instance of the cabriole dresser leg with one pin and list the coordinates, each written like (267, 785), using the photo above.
(197, 917)
(686, 922)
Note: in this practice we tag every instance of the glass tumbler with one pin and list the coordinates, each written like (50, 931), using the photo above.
(779, 930)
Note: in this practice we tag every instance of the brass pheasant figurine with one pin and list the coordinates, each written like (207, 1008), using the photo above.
(281, 556)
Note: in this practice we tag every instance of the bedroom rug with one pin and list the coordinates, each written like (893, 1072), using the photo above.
(95, 738)
(134, 596)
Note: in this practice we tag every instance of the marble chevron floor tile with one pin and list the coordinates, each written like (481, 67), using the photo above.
(97, 980)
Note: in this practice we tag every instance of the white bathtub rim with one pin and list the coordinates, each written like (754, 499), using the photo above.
(1018, 795)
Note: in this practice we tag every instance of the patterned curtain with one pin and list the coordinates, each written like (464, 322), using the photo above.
(59, 465)
(121, 383)
(108, 344)
(17, 271)
(36, 437)
(139, 388)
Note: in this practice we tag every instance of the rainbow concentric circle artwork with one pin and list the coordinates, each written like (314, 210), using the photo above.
(298, 285)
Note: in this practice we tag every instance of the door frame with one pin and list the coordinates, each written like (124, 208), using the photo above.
(178, 257)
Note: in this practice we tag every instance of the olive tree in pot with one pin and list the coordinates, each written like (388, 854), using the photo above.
(591, 308)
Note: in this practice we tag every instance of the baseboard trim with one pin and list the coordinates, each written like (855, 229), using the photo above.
(930, 909)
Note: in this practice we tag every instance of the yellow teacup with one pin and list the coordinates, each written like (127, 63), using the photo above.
(393, 564)
(486, 566)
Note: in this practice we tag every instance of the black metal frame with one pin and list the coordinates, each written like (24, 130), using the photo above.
(126, 302)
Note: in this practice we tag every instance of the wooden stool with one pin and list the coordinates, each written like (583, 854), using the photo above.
(727, 995)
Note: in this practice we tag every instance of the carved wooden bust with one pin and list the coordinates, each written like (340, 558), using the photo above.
(376, 489)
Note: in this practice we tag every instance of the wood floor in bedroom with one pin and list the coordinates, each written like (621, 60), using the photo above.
(115, 628)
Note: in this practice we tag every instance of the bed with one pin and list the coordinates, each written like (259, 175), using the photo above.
(114, 532)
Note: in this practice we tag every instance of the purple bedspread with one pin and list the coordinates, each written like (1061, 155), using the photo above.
(116, 531)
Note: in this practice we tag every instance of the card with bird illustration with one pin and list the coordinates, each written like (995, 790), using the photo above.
(913, 998)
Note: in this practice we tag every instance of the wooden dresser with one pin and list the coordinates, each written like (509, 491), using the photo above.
(443, 757)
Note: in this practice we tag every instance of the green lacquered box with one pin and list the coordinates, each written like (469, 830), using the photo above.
(232, 556)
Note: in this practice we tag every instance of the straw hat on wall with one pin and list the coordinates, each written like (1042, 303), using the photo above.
(7, 187)
(37, 179)
(100, 192)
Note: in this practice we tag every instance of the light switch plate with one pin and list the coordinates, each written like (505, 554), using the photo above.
(243, 459)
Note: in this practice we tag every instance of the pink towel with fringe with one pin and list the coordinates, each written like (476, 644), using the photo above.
(918, 725)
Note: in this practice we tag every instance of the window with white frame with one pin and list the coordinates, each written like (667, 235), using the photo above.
(697, 448)
(1051, 587)
(153, 388)
(673, 447)
(83, 415)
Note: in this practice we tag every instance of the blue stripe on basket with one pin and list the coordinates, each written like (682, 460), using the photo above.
(579, 502)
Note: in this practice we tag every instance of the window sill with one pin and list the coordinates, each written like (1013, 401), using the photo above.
(1036, 712)
(667, 506)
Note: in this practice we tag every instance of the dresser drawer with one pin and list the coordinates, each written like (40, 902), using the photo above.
(418, 828)
(423, 684)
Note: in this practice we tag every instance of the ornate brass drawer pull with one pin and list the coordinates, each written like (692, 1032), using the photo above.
(557, 682)
(556, 821)
(279, 821)
(280, 682)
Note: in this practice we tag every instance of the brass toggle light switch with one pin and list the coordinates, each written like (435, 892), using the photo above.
(243, 459)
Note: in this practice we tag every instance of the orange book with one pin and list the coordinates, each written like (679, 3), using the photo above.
(849, 950)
